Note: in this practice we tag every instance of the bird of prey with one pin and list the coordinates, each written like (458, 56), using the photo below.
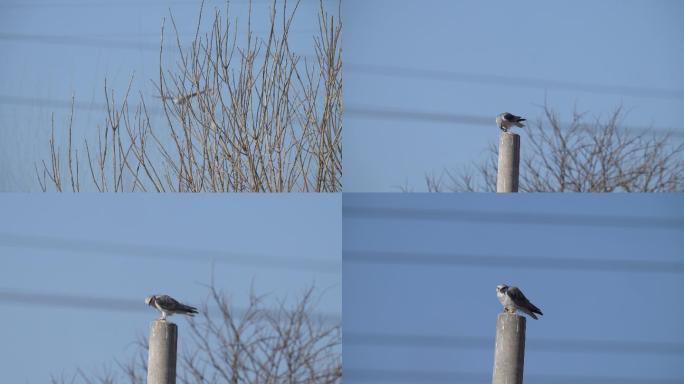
(168, 306)
(507, 120)
(183, 99)
(513, 299)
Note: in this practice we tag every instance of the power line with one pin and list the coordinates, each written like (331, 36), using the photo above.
(117, 4)
(349, 111)
(183, 35)
(95, 303)
(67, 301)
(432, 376)
(53, 103)
(516, 262)
(396, 114)
(83, 42)
(517, 218)
(140, 251)
(95, 42)
(402, 114)
(512, 81)
(77, 105)
(542, 345)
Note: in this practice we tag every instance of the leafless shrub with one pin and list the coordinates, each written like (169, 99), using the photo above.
(601, 156)
(250, 116)
(260, 345)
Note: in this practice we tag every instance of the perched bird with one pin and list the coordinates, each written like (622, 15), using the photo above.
(506, 120)
(513, 299)
(168, 306)
(184, 99)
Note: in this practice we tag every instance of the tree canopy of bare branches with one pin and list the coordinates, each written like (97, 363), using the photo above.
(599, 156)
(260, 345)
(250, 116)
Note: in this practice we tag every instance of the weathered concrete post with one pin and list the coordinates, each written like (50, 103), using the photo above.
(161, 361)
(509, 163)
(509, 353)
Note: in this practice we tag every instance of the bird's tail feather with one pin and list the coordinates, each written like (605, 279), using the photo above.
(530, 313)
(535, 309)
(189, 310)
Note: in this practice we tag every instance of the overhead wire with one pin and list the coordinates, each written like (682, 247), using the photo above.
(52, 103)
(512, 81)
(109, 304)
(83, 41)
(374, 339)
(118, 3)
(433, 376)
(97, 42)
(400, 114)
(350, 111)
(511, 261)
(512, 217)
(157, 252)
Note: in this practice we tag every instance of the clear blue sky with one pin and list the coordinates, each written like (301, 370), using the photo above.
(39, 340)
(55, 49)
(442, 302)
(635, 43)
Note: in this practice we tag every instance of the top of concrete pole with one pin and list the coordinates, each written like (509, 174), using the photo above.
(160, 322)
(505, 318)
(163, 326)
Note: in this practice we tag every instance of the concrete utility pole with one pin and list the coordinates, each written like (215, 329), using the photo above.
(509, 353)
(509, 163)
(161, 361)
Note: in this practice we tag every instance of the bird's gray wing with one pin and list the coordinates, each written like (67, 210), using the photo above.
(167, 302)
(171, 304)
(519, 298)
(511, 117)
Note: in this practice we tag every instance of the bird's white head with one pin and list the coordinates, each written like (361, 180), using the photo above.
(501, 289)
(149, 300)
